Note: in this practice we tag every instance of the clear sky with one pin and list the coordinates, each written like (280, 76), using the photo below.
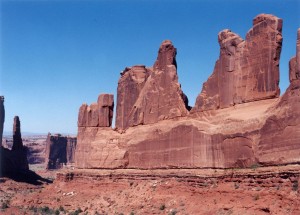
(56, 55)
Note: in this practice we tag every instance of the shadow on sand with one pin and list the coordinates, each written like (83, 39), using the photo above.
(29, 177)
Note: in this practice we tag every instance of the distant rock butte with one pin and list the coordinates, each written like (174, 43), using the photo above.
(60, 150)
(246, 70)
(239, 120)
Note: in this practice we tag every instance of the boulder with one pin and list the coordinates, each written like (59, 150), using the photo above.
(247, 70)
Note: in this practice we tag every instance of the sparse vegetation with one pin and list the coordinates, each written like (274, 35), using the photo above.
(78, 211)
(255, 166)
(256, 197)
(162, 207)
(295, 186)
(173, 212)
(131, 213)
(236, 185)
(4, 205)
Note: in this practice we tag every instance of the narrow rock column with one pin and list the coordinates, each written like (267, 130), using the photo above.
(2, 117)
(17, 139)
(298, 55)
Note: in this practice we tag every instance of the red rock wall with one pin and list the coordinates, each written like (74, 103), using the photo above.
(98, 114)
(148, 95)
(246, 70)
(152, 132)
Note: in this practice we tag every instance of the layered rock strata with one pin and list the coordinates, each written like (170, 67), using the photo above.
(264, 131)
(60, 150)
(247, 70)
(148, 95)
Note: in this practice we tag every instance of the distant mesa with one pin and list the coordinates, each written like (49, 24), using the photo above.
(60, 150)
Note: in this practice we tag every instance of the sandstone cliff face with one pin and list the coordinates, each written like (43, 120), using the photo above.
(98, 114)
(225, 130)
(148, 95)
(246, 70)
(60, 150)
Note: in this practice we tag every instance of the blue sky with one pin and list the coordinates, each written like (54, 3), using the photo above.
(56, 55)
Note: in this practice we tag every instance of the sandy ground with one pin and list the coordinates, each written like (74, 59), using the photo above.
(270, 190)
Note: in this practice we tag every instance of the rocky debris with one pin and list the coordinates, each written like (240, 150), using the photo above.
(155, 93)
(2, 117)
(98, 114)
(60, 150)
(247, 70)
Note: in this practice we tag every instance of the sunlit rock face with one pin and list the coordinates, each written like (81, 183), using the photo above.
(148, 95)
(247, 70)
(239, 119)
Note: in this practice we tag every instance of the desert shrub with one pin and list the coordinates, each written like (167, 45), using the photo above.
(256, 197)
(78, 211)
(4, 205)
(61, 208)
(131, 213)
(162, 207)
(57, 212)
(295, 186)
(173, 212)
(236, 185)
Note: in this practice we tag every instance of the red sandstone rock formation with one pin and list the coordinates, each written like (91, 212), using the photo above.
(60, 150)
(17, 139)
(14, 161)
(246, 70)
(98, 114)
(264, 131)
(2, 117)
(148, 95)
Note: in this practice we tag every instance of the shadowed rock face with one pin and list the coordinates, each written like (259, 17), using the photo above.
(246, 70)
(148, 95)
(60, 150)
(98, 114)
(2, 118)
(17, 139)
(14, 161)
